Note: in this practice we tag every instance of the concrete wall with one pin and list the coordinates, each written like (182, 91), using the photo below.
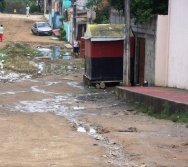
(178, 46)
(147, 31)
(67, 29)
(161, 51)
(116, 17)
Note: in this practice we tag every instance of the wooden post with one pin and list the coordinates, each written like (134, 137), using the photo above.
(126, 55)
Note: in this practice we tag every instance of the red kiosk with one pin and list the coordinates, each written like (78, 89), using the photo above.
(104, 45)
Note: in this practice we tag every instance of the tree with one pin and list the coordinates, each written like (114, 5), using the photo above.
(142, 10)
(94, 3)
(102, 16)
(118, 5)
(102, 11)
(2, 5)
(19, 5)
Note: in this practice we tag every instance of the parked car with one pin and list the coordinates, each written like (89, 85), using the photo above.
(41, 28)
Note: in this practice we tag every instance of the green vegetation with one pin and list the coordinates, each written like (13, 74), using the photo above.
(166, 113)
(102, 11)
(142, 10)
(118, 5)
(65, 15)
(63, 34)
(102, 16)
(18, 58)
(62, 31)
(2, 5)
(9, 6)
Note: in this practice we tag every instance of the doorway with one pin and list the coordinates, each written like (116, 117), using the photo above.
(140, 62)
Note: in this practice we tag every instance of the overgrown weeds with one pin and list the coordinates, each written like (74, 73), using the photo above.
(18, 57)
(166, 113)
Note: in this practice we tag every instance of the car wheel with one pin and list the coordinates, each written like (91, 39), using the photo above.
(32, 32)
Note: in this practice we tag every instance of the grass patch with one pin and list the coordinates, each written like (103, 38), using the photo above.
(166, 113)
(18, 58)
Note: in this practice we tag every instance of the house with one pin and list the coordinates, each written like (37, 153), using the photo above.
(80, 17)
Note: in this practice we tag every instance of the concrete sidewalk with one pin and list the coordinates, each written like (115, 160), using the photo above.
(155, 97)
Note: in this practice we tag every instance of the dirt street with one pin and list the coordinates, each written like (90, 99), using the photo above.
(53, 120)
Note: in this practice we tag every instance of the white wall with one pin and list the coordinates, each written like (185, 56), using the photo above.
(161, 51)
(178, 44)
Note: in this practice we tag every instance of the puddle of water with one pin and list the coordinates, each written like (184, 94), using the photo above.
(78, 108)
(55, 53)
(48, 68)
(11, 93)
(2, 61)
(75, 84)
(45, 51)
(60, 105)
(63, 67)
(12, 77)
(67, 67)
(36, 89)
(2, 55)
(52, 83)
(67, 56)
(81, 129)
(41, 67)
(92, 131)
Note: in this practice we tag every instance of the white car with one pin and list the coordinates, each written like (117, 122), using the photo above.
(41, 28)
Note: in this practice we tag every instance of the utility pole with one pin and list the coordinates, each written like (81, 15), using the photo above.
(44, 6)
(74, 19)
(126, 54)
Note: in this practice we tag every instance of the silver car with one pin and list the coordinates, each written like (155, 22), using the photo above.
(41, 28)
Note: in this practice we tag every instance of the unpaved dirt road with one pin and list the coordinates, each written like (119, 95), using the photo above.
(55, 121)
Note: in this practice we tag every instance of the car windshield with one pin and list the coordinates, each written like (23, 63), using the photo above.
(43, 25)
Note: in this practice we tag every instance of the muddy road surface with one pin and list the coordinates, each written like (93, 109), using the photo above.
(53, 120)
